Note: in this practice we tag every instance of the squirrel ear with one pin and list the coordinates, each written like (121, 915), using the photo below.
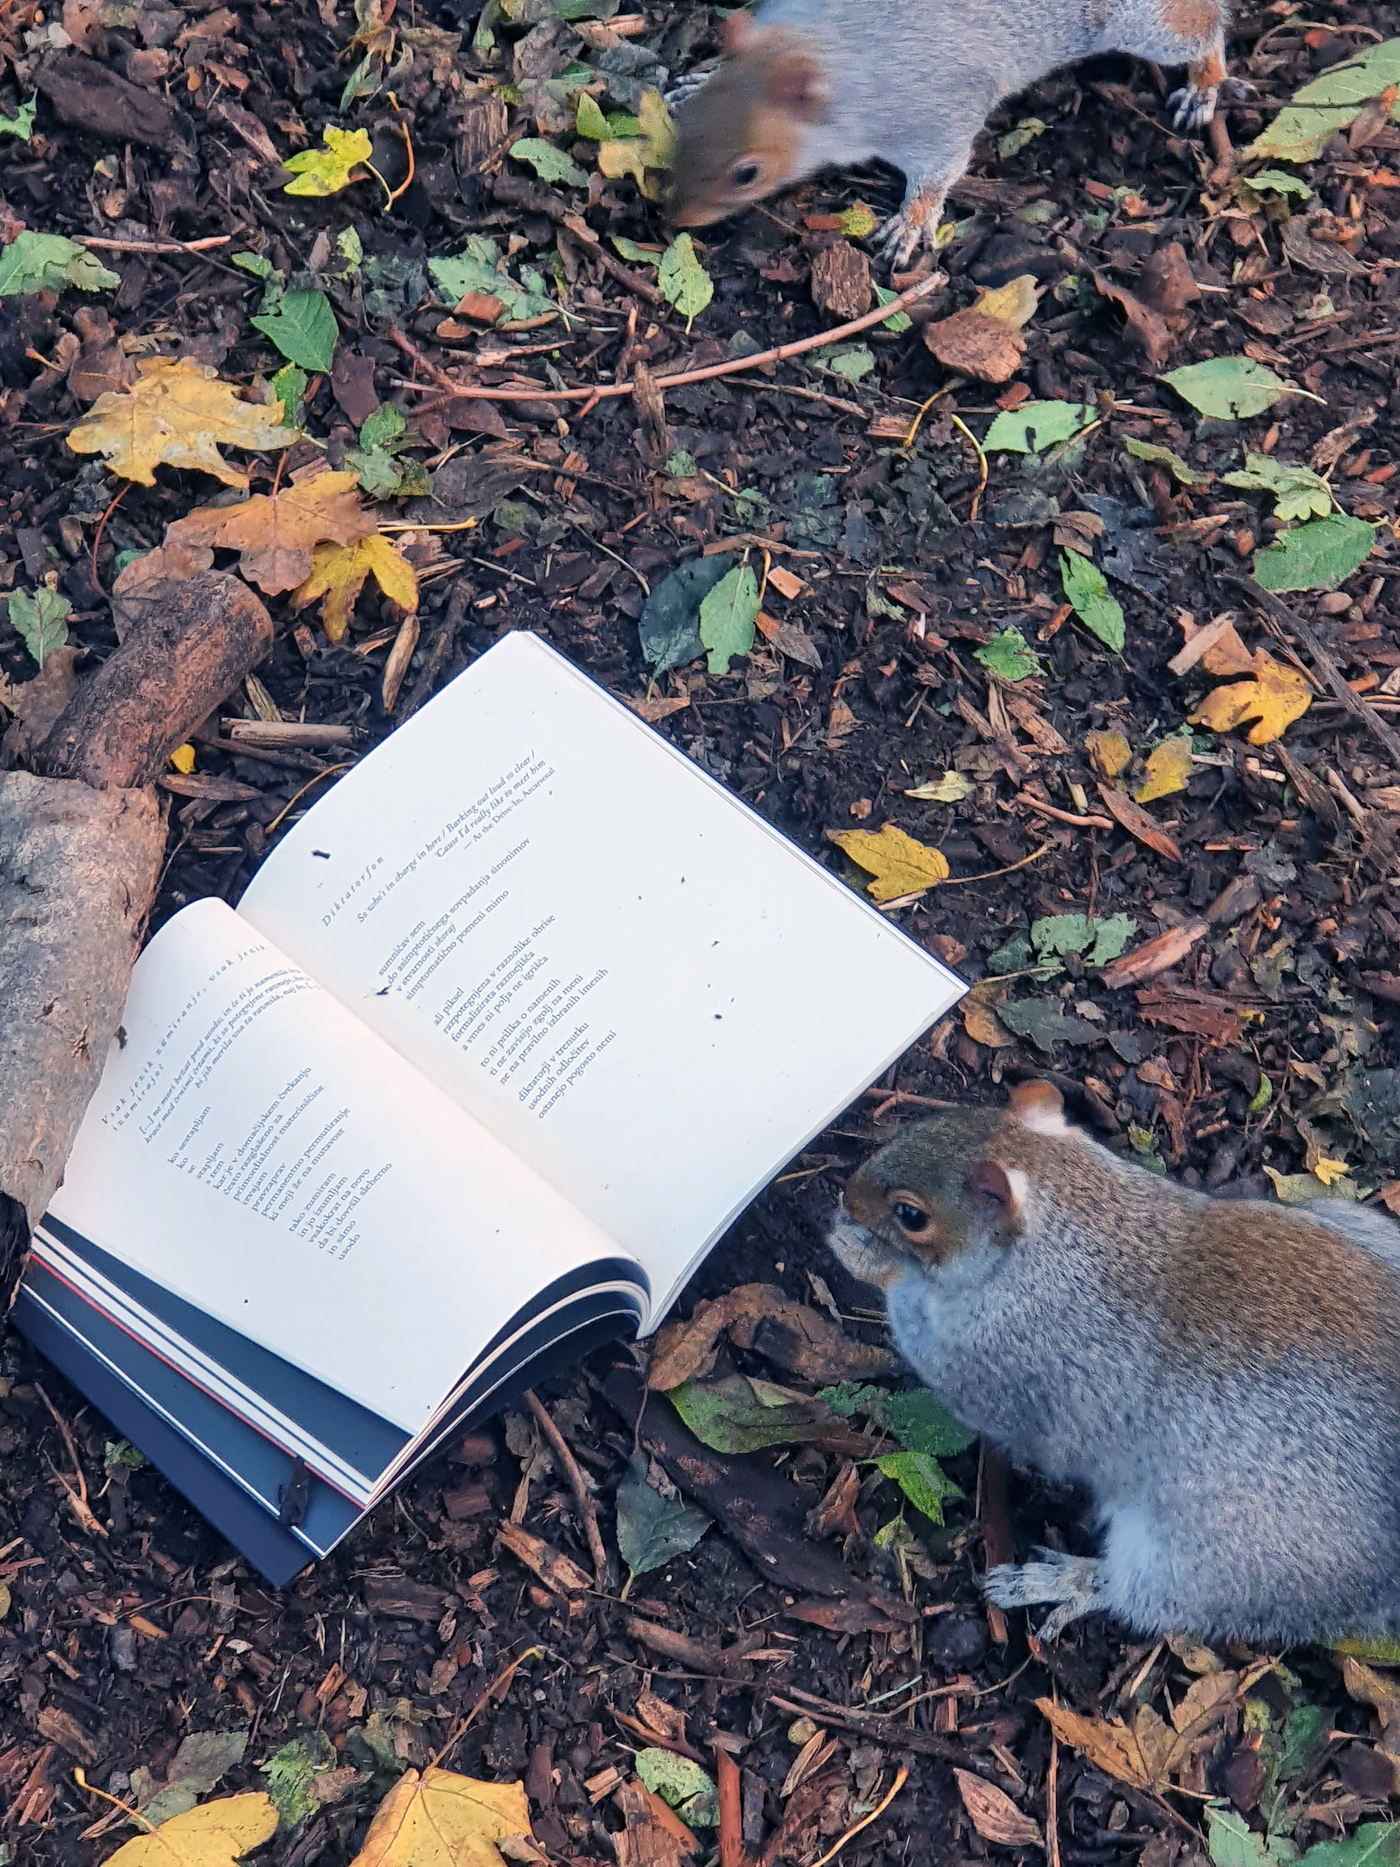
(998, 1194)
(1039, 1107)
(795, 85)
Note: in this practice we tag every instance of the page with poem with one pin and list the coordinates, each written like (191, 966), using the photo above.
(257, 1151)
(640, 985)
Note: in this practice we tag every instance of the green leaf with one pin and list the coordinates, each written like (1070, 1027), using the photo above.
(1299, 493)
(680, 465)
(917, 1419)
(202, 1759)
(849, 360)
(46, 262)
(1357, 79)
(379, 474)
(41, 619)
(590, 121)
(121, 1452)
(898, 321)
(681, 1783)
(1319, 556)
(253, 262)
(290, 1773)
(743, 1414)
(1046, 1023)
(549, 163)
(1164, 457)
(921, 1479)
(289, 386)
(1278, 181)
(1062, 933)
(1375, 1844)
(386, 427)
(651, 1529)
(1110, 938)
(683, 280)
(858, 222)
(475, 270)
(630, 251)
(1298, 134)
(1034, 426)
(1087, 590)
(1304, 1739)
(1009, 655)
(327, 171)
(669, 625)
(1233, 1843)
(1227, 388)
(1016, 140)
(727, 617)
(304, 329)
(1263, 1095)
(21, 124)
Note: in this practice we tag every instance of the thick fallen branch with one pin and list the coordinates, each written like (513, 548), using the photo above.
(81, 843)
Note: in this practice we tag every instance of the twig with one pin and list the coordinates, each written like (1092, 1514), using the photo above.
(79, 1498)
(587, 1509)
(1326, 667)
(482, 1700)
(888, 1730)
(731, 1813)
(1063, 816)
(947, 389)
(996, 1527)
(804, 395)
(965, 431)
(886, 1096)
(1052, 1804)
(156, 246)
(953, 881)
(609, 390)
(901, 1777)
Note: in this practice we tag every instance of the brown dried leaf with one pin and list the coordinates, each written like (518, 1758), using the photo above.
(1165, 283)
(1112, 1748)
(1136, 821)
(277, 533)
(37, 704)
(101, 366)
(994, 1815)
(979, 1014)
(1147, 328)
(974, 344)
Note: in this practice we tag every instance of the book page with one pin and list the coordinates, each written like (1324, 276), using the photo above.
(636, 982)
(257, 1151)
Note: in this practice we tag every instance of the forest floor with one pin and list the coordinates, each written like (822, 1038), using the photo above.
(932, 653)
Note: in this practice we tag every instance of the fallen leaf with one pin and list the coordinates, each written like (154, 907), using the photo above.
(1273, 698)
(1168, 769)
(1164, 457)
(328, 170)
(951, 788)
(727, 617)
(1110, 753)
(979, 1014)
(101, 365)
(1013, 303)
(1111, 1748)
(1136, 822)
(177, 413)
(1320, 556)
(644, 157)
(338, 573)
(651, 1529)
(548, 162)
(440, 1819)
(1031, 427)
(37, 704)
(1165, 282)
(41, 620)
(303, 327)
(994, 1815)
(1046, 1023)
(46, 262)
(899, 864)
(275, 532)
(1298, 492)
(682, 1784)
(202, 1759)
(974, 344)
(1086, 589)
(922, 1480)
(1009, 655)
(215, 1835)
(1146, 327)
(743, 1414)
(683, 280)
(1227, 388)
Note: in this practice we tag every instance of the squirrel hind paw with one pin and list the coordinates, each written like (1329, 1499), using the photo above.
(1074, 1583)
(902, 236)
(1191, 108)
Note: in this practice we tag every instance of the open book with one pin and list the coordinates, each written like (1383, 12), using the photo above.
(501, 1038)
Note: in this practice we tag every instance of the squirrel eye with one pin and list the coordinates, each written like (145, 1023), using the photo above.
(908, 1216)
(745, 173)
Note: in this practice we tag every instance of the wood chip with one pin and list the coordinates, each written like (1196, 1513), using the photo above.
(994, 1815)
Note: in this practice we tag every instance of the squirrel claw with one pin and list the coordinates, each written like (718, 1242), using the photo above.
(1192, 109)
(900, 239)
(1074, 1583)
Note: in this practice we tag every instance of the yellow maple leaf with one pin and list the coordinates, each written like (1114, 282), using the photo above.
(900, 865)
(1012, 304)
(1168, 769)
(177, 413)
(1329, 1171)
(327, 171)
(1273, 697)
(182, 758)
(276, 533)
(213, 1835)
(1110, 752)
(642, 157)
(338, 574)
(440, 1819)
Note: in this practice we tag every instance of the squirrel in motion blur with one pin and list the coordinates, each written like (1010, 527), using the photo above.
(810, 84)
(1223, 1375)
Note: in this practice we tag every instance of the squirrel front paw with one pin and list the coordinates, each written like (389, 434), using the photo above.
(915, 226)
(1074, 1582)
(1192, 108)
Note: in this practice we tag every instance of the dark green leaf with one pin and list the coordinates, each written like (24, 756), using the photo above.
(304, 329)
(651, 1529)
(669, 625)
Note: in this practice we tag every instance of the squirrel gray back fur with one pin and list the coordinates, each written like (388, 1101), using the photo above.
(1243, 1449)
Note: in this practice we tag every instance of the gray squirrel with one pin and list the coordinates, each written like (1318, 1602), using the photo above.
(809, 84)
(1223, 1375)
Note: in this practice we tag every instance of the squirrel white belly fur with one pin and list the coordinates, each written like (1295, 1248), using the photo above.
(1223, 1375)
(810, 84)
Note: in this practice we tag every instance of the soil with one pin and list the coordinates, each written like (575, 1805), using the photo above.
(1266, 1047)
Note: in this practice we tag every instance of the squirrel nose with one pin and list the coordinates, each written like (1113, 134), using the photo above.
(691, 214)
